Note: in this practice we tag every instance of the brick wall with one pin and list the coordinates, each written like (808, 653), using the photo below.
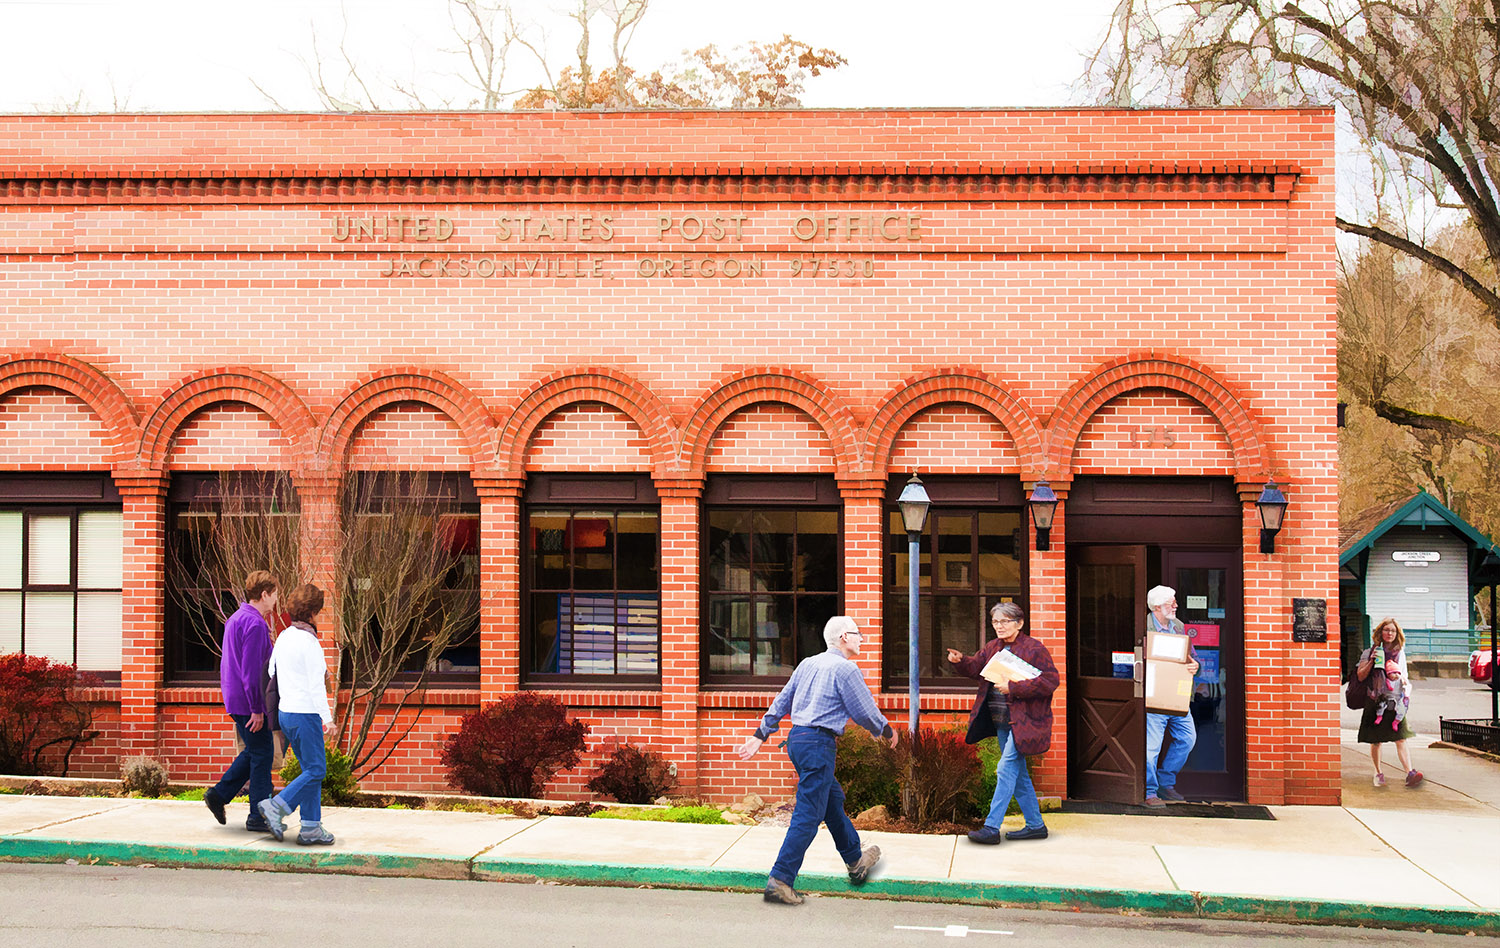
(46, 429)
(588, 437)
(1083, 306)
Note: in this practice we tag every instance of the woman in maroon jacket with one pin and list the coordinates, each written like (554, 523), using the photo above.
(1018, 714)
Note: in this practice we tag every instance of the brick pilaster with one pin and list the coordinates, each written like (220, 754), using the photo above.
(1048, 622)
(864, 546)
(1267, 639)
(680, 531)
(499, 585)
(143, 498)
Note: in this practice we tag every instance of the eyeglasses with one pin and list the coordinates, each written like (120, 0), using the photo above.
(1007, 621)
(855, 632)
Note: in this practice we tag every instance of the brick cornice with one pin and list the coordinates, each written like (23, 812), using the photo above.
(696, 183)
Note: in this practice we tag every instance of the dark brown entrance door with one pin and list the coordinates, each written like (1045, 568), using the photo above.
(1208, 602)
(1106, 715)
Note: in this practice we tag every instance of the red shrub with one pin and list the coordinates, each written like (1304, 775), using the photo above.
(940, 772)
(513, 747)
(42, 722)
(632, 775)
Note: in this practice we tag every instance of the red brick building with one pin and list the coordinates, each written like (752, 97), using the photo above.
(719, 340)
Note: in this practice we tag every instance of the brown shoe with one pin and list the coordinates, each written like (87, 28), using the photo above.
(860, 870)
(779, 892)
(1155, 802)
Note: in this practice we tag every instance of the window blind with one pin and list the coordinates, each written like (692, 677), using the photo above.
(49, 551)
(100, 549)
(10, 549)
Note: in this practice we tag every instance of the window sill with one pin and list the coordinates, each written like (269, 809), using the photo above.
(598, 696)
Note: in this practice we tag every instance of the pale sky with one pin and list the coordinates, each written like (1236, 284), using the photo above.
(200, 55)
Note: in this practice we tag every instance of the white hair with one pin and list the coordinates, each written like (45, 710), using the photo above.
(1160, 596)
(836, 627)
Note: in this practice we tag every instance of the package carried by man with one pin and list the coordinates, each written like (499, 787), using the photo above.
(1169, 672)
(1008, 666)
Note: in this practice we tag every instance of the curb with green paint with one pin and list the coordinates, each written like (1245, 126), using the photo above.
(1015, 895)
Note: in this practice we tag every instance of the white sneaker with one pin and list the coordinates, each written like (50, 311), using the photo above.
(1379, 780)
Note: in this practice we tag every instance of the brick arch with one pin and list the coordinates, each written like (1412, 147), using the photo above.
(388, 387)
(214, 387)
(1252, 456)
(945, 387)
(570, 387)
(783, 386)
(98, 391)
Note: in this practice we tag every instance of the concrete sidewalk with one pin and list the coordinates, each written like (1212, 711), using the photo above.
(1423, 858)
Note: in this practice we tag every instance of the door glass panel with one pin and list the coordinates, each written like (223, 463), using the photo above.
(1107, 622)
(1201, 606)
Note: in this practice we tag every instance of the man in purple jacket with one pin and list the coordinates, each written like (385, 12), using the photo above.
(242, 665)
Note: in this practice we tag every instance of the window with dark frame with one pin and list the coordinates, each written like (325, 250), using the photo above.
(194, 629)
(451, 497)
(60, 574)
(972, 556)
(772, 576)
(592, 574)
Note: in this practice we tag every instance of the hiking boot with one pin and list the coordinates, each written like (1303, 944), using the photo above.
(1413, 777)
(316, 837)
(273, 816)
(985, 836)
(1155, 802)
(859, 870)
(1171, 795)
(214, 803)
(781, 893)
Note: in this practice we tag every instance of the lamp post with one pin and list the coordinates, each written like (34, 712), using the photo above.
(914, 504)
(1271, 505)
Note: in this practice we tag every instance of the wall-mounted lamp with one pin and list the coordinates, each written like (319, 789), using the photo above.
(1043, 504)
(1271, 505)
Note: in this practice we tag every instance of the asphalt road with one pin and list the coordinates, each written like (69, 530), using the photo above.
(64, 906)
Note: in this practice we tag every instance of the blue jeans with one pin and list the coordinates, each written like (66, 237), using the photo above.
(1163, 774)
(253, 766)
(305, 733)
(1012, 779)
(820, 799)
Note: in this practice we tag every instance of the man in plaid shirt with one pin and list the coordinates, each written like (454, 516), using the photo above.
(824, 693)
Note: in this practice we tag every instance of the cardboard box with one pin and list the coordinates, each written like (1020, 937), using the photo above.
(1167, 647)
(1169, 686)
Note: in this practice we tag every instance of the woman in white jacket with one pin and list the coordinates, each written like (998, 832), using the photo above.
(300, 670)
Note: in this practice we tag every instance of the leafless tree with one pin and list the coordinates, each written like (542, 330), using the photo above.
(243, 522)
(405, 593)
(486, 35)
(403, 590)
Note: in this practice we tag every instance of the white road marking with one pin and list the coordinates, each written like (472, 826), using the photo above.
(952, 931)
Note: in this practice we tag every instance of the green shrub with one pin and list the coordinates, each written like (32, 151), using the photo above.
(866, 768)
(671, 814)
(339, 786)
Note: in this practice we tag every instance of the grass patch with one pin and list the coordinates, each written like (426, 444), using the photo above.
(195, 794)
(15, 790)
(671, 814)
(397, 806)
